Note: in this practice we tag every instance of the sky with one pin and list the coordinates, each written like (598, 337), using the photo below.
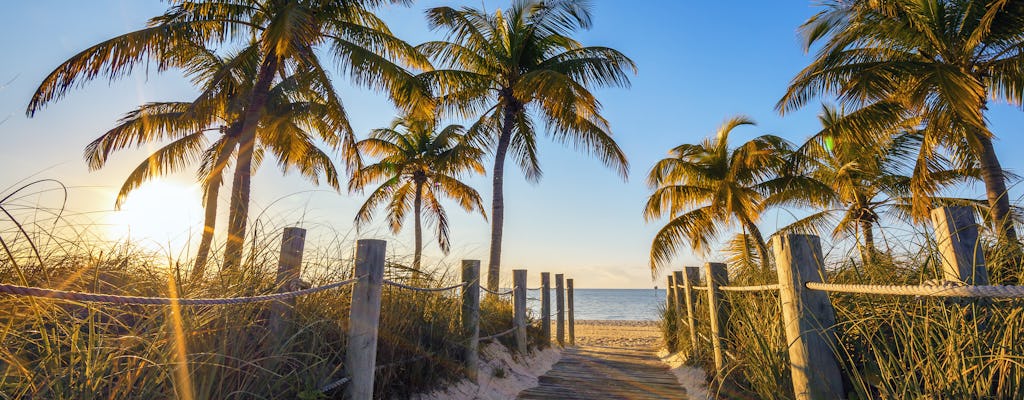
(699, 63)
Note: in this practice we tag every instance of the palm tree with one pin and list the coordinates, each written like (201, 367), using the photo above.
(937, 60)
(708, 188)
(288, 36)
(513, 66)
(295, 119)
(417, 164)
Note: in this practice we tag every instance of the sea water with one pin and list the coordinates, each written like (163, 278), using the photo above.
(608, 304)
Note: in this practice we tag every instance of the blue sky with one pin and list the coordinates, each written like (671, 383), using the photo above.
(699, 63)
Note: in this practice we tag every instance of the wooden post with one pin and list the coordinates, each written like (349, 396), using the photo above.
(364, 317)
(807, 318)
(956, 235)
(718, 275)
(519, 307)
(471, 316)
(545, 308)
(690, 278)
(670, 294)
(677, 294)
(560, 309)
(572, 312)
(289, 266)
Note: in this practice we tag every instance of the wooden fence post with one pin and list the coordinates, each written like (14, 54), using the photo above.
(808, 318)
(956, 235)
(572, 312)
(670, 294)
(471, 316)
(677, 294)
(519, 307)
(690, 278)
(560, 308)
(364, 318)
(289, 266)
(718, 275)
(545, 308)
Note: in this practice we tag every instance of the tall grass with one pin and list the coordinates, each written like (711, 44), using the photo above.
(67, 350)
(890, 347)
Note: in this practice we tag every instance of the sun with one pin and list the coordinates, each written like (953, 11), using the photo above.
(159, 215)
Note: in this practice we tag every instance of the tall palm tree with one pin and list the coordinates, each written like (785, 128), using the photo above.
(709, 187)
(938, 60)
(418, 164)
(289, 35)
(295, 119)
(516, 65)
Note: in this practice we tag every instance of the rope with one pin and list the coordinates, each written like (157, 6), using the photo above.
(334, 385)
(758, 288)
(421, 289)
(505, 293)
(498, 335)
(116, 299)
(949, 290)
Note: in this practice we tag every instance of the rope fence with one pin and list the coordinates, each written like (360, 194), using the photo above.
(505, 293)
(56, 294)
(755, 288)
(920, 290)
(423, 289)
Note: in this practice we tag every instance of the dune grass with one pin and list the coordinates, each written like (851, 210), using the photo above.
(890, 347)
(68, 350)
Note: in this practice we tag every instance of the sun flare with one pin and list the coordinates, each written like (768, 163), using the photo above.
(160, 215)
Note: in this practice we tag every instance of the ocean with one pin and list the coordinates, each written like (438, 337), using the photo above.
(608, 304)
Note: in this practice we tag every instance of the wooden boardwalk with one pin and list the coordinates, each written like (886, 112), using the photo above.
(591, 373)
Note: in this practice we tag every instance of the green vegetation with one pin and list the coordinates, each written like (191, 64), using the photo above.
(513, 66)
(418, 163)
(912, 80)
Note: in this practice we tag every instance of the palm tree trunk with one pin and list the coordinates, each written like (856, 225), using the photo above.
(868, 250)
(498, 200)
(995, 190)
(762, 248)
(210, 202)
(209, 223)
(417, 209)
(240, 185)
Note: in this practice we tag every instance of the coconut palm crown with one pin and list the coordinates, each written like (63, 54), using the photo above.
(417, 167)
(289, 36)
(708, 188)
(939, 61)
(296, 119)
(519, 68)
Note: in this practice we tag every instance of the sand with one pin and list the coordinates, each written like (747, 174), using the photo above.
(502, 376)
(635, 334)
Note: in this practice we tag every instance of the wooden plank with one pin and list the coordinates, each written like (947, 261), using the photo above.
(607, 373)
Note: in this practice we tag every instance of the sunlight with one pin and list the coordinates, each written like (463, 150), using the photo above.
(159, 215)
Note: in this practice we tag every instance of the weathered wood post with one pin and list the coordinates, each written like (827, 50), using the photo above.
(956, 235)
(571, 312)
(677, 294)
(519, 307)
(471, 316)
(545, 307)
(670, 297)
(560, 309)
(690, 278)
(289, 266)
(364, 317)
(718, 275)
(807, 318)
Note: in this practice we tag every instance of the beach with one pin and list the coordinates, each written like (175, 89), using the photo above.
(634, 334)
